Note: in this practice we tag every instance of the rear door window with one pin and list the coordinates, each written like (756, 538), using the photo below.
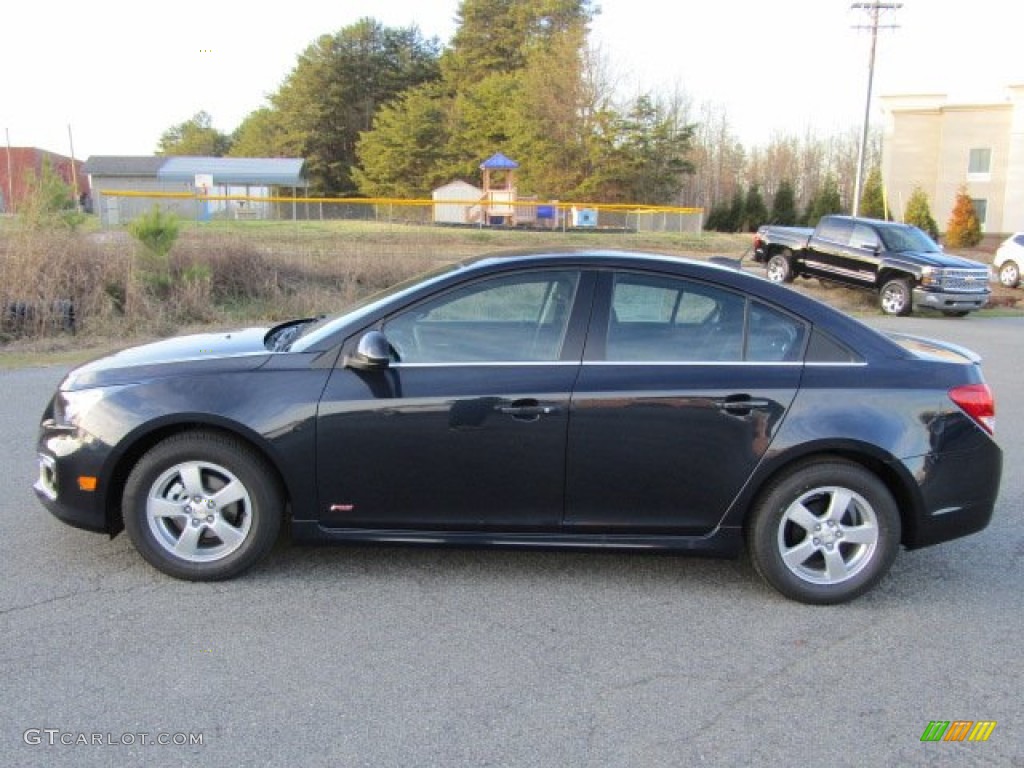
(836, 231)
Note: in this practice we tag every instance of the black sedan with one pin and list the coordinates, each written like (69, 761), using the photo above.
(590, 400)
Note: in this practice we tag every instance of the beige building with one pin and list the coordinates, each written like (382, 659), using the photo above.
(940, 145)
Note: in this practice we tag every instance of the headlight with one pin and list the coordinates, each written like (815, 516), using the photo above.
(931, 276)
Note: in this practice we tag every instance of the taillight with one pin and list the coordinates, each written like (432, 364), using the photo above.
(976, 401)
(758, 242)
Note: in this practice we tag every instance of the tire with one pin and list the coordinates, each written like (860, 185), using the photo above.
(825, 532)
(1009, 274)
(178, 523)
(779, 269)
(896, 297)
(956, 312)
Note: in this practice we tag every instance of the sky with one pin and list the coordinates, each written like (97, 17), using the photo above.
(119, 74)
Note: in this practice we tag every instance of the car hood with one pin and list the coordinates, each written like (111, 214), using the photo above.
(939, 259)
(181, 355)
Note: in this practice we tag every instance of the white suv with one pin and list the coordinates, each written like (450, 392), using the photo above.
(1008, 260)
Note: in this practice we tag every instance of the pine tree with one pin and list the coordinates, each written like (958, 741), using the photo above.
(259, 135)
(826, 202)
(734, 223)
(718, 219)
(755, 213)
(512, 81)
(404, 155)
(501, 36)
(336, 88)
(963, 229)
(784, 205)
(919, 213)
(872, 201)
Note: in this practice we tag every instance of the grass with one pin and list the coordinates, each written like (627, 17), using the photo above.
(70, 353)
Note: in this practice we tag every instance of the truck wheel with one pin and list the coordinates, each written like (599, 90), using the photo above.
(895, 298)
(779, 269)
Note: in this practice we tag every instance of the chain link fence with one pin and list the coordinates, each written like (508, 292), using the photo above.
(118, 207)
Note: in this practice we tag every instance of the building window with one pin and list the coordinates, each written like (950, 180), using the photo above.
(980, 210)
(979, 164)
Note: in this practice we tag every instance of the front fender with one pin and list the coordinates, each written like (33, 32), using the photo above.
(888, 265)
(274, 411)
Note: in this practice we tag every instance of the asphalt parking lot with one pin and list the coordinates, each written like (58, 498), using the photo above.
(416, 657)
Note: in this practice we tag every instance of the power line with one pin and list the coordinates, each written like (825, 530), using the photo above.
(874, 11)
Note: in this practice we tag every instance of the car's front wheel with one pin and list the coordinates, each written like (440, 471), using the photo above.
(825, 532)
(202, 506)
(1009, 274)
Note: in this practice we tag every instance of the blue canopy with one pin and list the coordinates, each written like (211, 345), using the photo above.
(498, 162)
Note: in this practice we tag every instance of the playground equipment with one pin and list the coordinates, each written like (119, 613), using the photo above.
(499, 189)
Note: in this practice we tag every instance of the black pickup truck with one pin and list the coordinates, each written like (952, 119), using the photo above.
(900, 262)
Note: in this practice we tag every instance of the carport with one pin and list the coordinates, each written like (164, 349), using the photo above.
(120, 185)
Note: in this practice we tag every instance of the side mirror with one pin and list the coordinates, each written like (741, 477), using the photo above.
(373, 353)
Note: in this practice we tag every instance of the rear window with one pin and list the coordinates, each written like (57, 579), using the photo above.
(824, 349)
(835, 231)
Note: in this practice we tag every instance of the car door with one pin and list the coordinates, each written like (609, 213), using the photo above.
(683, 386)
(828, 250)
(466, 428)
(861, 258)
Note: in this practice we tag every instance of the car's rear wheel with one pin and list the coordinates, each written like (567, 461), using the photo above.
(779, 268)
(825, 532)
(202, 506)
(1009, 274)
(896, 298)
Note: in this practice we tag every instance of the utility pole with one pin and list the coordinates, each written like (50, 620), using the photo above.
(74, 170)
(874, 11)
(10, 176)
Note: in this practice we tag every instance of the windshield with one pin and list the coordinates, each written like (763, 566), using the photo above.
(326, 325)
(903, 237)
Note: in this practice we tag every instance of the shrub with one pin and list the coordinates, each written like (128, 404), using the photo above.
(157, 231)
(963, 229)
(51, 281)
(49, 203)
(919, 213)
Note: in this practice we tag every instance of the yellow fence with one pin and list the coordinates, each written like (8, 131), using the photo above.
(117, 207)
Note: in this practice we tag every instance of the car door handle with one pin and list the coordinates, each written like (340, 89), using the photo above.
(741, 404)
(527, 409)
